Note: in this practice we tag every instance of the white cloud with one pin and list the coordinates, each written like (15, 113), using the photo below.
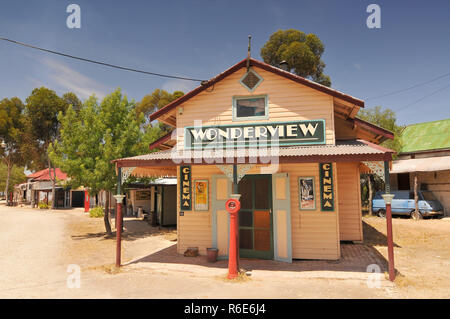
(357, 66)
(71, 80)
(179, 85)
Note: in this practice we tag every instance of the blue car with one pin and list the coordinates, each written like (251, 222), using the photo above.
(403, 204)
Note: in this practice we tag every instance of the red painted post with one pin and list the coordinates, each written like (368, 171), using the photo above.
(86, 201)
(119, 235)
(232, 206)
(390, 242)
(119, 199)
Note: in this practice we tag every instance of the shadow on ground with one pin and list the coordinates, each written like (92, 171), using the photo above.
(372, 237)
(133, 229)
(354, 258)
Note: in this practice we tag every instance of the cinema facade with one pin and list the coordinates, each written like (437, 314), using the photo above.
(292, 148)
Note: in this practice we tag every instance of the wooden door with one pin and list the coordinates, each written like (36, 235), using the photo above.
(255, 217)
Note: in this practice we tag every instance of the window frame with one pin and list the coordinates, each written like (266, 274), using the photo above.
(250, 118)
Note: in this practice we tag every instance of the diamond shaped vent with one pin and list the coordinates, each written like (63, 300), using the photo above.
(251, 80)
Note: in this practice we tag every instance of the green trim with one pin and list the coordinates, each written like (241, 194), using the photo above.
(284, 142)
(215, 206)
(257, 84)
(282, 204)
(300, 193)
(252, 253)
(250, 118)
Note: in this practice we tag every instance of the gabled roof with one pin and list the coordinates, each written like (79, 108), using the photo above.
(43, 175)
(264, 66)
(426, 136)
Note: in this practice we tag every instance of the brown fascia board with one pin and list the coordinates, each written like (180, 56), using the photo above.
(263, 66)
(160, 141)
(372, 128)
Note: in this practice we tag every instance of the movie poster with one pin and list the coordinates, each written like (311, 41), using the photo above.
(307, 193)
(201, 195)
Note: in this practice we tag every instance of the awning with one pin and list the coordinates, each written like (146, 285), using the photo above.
(429, 164)
(343, 151)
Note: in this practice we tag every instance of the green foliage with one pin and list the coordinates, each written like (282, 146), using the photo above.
(387, 120)
(11, 140)
(17, 177)
(301, 51)
(72, 100)
(153, 102)
(41, 111)
(96, 212)
(98, 134)
(44, 205)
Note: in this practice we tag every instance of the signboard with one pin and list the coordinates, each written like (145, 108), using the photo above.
(143, 195)
(256, 134)
(326, 187)
(185, 184)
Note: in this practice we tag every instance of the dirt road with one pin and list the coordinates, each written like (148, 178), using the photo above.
(38, 246)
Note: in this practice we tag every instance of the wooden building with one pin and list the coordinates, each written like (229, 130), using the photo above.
(296, 147)
(425, 157)
(157, 197)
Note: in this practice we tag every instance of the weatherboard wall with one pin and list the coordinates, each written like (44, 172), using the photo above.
(287, 101)
(315, 234)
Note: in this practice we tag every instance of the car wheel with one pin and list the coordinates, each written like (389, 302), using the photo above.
(416, 215)
(382, 213)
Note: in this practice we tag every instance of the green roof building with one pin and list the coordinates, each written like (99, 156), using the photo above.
(425, 155)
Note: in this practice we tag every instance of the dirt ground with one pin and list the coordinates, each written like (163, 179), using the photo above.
(422, 254)
(41, 245)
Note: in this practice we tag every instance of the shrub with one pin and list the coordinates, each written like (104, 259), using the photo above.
(96, 212)
(43, 205)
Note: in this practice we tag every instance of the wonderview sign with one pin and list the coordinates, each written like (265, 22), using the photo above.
(256, 134)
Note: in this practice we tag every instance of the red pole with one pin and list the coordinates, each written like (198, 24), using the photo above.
(390, 242)
(119, 233)
(86, 201)
(232, 254)
(232, 206)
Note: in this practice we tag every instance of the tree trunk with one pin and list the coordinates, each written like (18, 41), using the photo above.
(53, 182)
(8, 175)
(416, 198)
(369, 185)
(106, 217)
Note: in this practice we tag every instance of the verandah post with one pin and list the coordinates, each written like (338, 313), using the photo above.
(119, 197)
(390, 242)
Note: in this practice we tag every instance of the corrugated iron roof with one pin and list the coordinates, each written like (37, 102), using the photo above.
(43, 175)
(426, 136)
(429, 164)
(353, 147)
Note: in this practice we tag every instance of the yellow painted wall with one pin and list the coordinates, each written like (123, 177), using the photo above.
(350, 223)
(287, 100)
(315, 234)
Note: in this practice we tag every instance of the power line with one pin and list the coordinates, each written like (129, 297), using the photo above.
(101, 63)
(424, 97)
(409, 88)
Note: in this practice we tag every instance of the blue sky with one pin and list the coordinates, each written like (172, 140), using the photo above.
(203, 38)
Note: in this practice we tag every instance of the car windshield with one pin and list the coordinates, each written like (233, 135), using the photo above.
(428, 195)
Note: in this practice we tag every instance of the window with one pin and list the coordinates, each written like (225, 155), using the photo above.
(254, 107)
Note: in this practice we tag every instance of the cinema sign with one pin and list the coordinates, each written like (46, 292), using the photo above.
(255, 134)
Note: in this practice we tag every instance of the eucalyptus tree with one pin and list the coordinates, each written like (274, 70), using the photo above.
(11, 136)
(91, 139)
(41, 111)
